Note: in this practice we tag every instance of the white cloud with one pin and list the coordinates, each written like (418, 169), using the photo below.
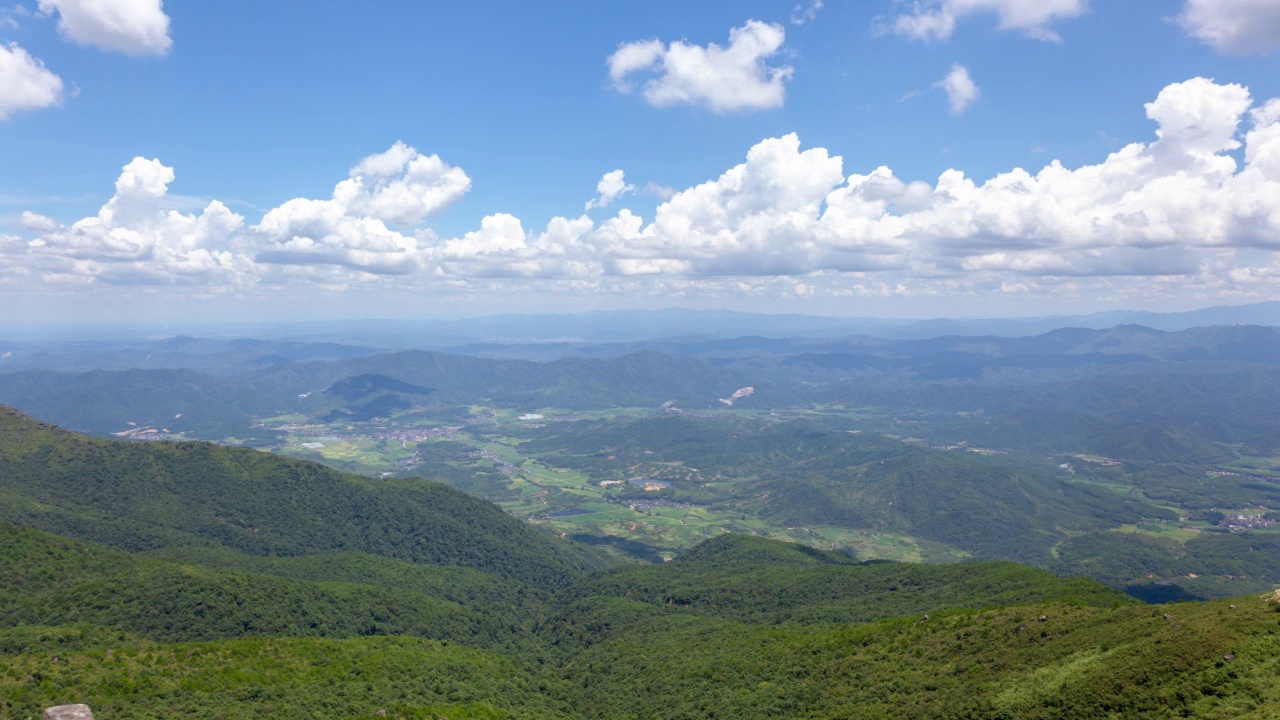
(38, 223)
(501, 233)
(960, 88)
(611, 187)
(25, 83)
(1159, 209)
(403, 186)
(133, 240)
(1179, 216)
(936, 19)
(802, 14)
(632, 57)
(134, 27)
(724, 79)
(502, 248)
(350, 230)
(1239, 27)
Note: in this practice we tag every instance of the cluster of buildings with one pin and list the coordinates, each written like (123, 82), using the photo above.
(1246, 522)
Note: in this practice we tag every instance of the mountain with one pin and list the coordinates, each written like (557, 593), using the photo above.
(1047, 374)
(643, 378)
(150, 496)
(102, 401)
(219, 356)
(738, 626)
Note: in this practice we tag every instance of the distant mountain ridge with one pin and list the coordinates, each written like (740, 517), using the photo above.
(638, 325)
(1076, 375)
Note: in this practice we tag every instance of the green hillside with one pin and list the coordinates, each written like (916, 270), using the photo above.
(765, 581)
(740, 627)
(939, 648)
(798, 473)
(56, 581)
(195, 581)
(1203, 661)
(122, 676)
(147, 496)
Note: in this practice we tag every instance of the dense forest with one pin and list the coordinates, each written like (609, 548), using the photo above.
(190, 579)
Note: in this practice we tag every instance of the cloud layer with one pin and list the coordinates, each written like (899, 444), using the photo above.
(1179, 214)
(723, 79)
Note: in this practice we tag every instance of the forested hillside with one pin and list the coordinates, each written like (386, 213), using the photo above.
(742, 627)
(151, 579)
(799, 473)
(148, 496)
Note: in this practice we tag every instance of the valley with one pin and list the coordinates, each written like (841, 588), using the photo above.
(656, 505)
(1132, 456)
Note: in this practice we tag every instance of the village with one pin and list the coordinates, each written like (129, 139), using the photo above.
(1241, 522)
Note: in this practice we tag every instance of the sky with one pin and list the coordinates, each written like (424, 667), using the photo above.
(237, 161)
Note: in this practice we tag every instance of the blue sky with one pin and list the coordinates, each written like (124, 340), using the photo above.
(241, 160)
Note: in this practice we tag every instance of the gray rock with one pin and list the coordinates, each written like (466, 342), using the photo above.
(68, 712)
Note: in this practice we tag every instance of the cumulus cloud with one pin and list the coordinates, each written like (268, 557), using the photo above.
(350, 229)
(402, 186)
(134, 27)
(960, 88)
(1190, 213)
(134, 240)
(936, 19)
(611, 187)
(1238, 27)
(1157, 209)
(501, 248)
(25, 83)
(724, 79)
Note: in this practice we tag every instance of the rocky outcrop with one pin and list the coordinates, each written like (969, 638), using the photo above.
(68, 712)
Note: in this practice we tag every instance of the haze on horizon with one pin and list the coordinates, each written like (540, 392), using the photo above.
(883, 159)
